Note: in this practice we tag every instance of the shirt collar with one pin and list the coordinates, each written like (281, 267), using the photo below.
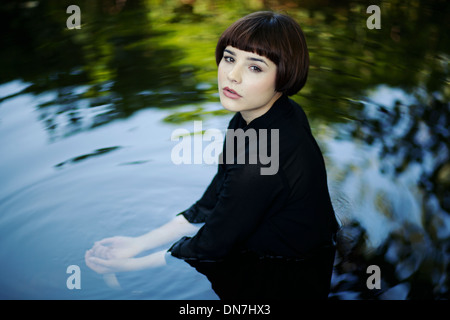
(279, 108)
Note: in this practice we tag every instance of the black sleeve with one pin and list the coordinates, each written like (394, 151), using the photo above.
(198, 212)
(245, 197)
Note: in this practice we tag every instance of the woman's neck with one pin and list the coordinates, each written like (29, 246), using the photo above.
(250, 115)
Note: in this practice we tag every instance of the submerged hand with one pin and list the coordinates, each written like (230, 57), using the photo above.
(118, 247)
(119, 253)
(111, 265)
(106, 265)
(112, 254)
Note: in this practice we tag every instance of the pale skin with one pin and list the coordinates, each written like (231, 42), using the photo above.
(252, 77)
(246, 84)
(117, 254)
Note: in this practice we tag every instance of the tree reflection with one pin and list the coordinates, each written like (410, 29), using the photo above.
(414, 134)
(412, 264)
(110, 68)
(136, 54)
(415, 257)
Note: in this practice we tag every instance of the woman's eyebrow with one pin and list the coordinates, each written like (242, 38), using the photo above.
(249, 58)
(256, 59)
(230, 52)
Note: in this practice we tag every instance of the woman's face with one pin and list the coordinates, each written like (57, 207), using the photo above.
(246, 83)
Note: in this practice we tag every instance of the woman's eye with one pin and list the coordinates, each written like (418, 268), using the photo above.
(255, 69)
(228, 59)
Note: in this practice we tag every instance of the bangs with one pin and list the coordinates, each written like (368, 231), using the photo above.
(252, 37)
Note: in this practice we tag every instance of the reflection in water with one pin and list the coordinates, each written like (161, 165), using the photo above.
(242, 276)
(412, 144)
(86, 156)
(388, 159)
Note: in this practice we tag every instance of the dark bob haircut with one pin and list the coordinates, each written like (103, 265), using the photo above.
(275, 36)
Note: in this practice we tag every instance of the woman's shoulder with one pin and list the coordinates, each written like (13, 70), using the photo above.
(295, 135)
(294, 125)
(299, 115)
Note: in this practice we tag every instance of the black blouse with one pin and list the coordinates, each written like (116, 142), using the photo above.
(287, 214)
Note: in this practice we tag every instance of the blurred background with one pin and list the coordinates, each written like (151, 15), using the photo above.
(86, 117)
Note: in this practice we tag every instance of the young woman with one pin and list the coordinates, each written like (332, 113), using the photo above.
(253, 235)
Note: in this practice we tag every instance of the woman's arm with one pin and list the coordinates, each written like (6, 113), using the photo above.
(168, 233)
(246, 198)
(120, 247)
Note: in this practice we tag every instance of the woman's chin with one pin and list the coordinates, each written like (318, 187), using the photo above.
(229, 105)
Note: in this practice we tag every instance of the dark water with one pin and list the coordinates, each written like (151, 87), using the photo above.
(86, 118)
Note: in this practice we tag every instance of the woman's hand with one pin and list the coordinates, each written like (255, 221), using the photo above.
(118, 247)
(112, 265)
(107, 265)
(119, 253)
(113, 254)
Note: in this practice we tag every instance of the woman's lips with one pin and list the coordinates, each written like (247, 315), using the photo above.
(229, 93)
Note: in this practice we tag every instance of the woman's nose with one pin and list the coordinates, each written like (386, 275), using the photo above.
(234, 75)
